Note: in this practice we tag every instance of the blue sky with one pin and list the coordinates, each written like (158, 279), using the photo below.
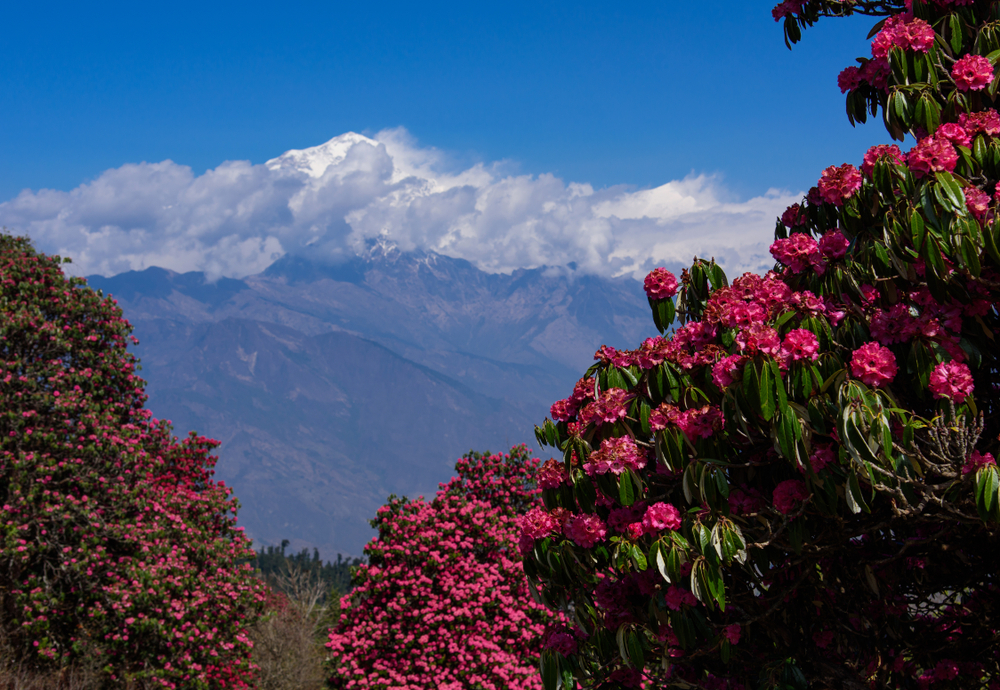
(638, 93)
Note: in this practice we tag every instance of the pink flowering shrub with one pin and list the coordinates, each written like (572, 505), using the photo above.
(117, 546)
(797, 487)
(443, 601)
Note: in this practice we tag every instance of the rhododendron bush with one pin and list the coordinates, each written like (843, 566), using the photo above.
(115, 543)
(796, 485)
(443, 601)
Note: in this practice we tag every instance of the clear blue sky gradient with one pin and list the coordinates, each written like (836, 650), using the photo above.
(638, 93)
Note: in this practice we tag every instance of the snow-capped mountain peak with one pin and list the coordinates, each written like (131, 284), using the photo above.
(315, 160)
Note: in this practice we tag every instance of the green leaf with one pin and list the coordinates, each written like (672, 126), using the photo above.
(549, 670)
(638, 557)
(626, 492)
(635, 654)
(917, 229)
(765, 391)
(779, 386)
(661, 562)
(955, 25)
(855, 500)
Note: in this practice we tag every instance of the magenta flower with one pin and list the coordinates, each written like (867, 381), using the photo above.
(839, 183)
(585, 530)
(849, 78)
(890, 151)
(951, 380)
(660, 284)
(916, 36)
(833, 244)
(615, 455)
(663, 416)
(977, 201)
(552, 474)
(873, 365)
(792, 217)
(786, 9)
(821, 457)
(700, 423)
(611, 407)
(801, 344)
(798, 252)
(983, 122)
(972, 73)
(788, 495)
(976, 461)
(728, 370)
(954, 133)
(732, 633)
(932, 154)
(661, 516)
(675, 597)
(537, 523)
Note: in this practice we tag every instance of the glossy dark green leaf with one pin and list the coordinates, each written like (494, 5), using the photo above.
(626, 491)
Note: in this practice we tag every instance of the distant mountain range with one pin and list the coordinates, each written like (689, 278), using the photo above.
(331, 387)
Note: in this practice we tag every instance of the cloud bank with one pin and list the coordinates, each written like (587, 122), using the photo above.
(330, 201)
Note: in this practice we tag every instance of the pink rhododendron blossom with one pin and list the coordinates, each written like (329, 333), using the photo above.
(663, 416)
(798, 252)
(890, 151)
(585, 530)
(701, 423)
(821, 457)
(876, 72)
(732, 633)
(823, 638)
(896, 325)
(560, 640)
(537, 523)
(661, 516)
(839, 183)
(801, 344)
(728, 370)
(563, 410)
(675, 597)
(972, 73)
(552, 474)
(951, 380)
(977, 201)
(786, 9)
(976, 461)
(849, 78)
(932, 154)
(615, 456)
(620, 519)
(759, 338)
(788, 495)
(660, 284)
(833, 244)
(983, 122)
(612, 406)
(916, 36)
(792, 217)
(954, 133)
(873, 365)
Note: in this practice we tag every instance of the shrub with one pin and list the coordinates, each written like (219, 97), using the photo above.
(797, 487)
(116, 544)
(442, 601)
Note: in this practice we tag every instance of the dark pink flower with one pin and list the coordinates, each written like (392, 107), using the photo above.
(732, 633)
(798, 252)
(660, 284)
(537, 523)
(675, 597)
(728, 370)
(661, 516)
(983, 122)
(801, 344)
(890, 151)
(786, 9)
(849, 78)
(954, 133)
(701, 423)
(612, 406)
(788, 494)
(759, 338)
(951, 380)
(916, 36)
(563, 410)
(552, 474)
(972, 73)
(876, 72)
(839, 183)
(976, 461)
(977, 201)
(615, 455)
(792, 217)
(663, 416)
(873, 365)
(823, 639)
(932, 154)
(821, 457)
(585, 530)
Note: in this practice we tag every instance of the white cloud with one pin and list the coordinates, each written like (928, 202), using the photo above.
(328, 201)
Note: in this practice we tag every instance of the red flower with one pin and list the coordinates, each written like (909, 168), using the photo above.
(951, 380)
(932, 154)
(839, 183)
(873, 365)
(788, 494)
(873, 154)
(660, 284)
(972, 73)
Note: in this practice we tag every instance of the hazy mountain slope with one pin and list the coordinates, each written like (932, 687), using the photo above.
(331, 387)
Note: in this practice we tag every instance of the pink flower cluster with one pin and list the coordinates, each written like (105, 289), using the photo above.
(443, 601)
(660, 284)
(972, 73)
(615, 456)
(932, 154)
(879, 151)
(915, 35)
(608, 409)
(977, 461)
(799, 252)
(838, 184)
(788, 495)
(873, 365)
(952, 381)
